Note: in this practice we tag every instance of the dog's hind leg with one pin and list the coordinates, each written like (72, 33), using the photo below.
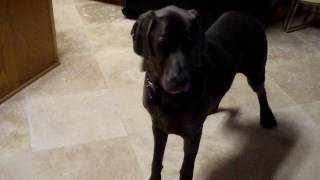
(267, 119)
(256, 82)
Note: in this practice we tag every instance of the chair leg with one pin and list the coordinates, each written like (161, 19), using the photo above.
(291, 17)
(285, 23)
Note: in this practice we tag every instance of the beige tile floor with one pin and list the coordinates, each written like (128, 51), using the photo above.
(85, 121)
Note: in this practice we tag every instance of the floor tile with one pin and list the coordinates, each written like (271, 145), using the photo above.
(76, 74)
(72, 42)
(121, 70)
(287, 47)
(66, 16)
(73, 119)
(105, 160)
(16, 167)
(313, 109)
(97, 12)
(310, 35)
(135, 117)
(14, 130)
(298, 79)
(111, 36)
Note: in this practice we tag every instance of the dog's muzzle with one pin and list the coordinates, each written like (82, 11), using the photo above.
(176, 85)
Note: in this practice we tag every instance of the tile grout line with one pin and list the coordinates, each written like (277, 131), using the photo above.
(27, 99)
(302, 106)
(286, 94)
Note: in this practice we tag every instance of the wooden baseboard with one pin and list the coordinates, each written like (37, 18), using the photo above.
(12, 93)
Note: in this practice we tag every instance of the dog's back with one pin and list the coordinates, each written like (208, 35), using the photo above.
(238, 43)
(236, 32)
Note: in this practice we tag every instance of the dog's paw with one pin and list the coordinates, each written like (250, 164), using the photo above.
(155, 177)
(268, 121)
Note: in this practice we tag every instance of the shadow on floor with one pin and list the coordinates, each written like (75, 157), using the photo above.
(260, 157)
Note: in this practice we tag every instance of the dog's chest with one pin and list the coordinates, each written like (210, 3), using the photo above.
(177, 115)
(180, 124)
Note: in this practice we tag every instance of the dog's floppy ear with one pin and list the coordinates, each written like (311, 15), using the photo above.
(197, 28)
(140, 34)
(194, 13)
(198, 31)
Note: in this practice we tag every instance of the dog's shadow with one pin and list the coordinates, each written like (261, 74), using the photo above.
(261, 155)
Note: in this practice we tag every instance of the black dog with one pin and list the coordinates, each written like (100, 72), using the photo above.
(189, 71)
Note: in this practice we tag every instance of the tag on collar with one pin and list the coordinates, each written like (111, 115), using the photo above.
(149, 84)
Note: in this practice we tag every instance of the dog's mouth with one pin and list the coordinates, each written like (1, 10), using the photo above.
(178, 89)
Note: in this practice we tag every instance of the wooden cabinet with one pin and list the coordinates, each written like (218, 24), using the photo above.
(27, 43)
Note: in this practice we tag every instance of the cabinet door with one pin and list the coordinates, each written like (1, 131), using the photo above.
(27, 43)
(4, 80)
(8, 75)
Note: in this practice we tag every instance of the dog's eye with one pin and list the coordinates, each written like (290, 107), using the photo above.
(190, 40)
(163, 40)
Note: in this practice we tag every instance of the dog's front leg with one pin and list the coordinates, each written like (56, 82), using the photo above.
(160, 141)
(191, 146)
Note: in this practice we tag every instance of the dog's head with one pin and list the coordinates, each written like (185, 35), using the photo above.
(170, 40)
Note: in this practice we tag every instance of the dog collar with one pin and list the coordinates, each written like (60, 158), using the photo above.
(151, 91)
(149, 84)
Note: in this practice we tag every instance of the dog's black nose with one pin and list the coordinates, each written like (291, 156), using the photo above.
(179, 80)
(177, 84)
